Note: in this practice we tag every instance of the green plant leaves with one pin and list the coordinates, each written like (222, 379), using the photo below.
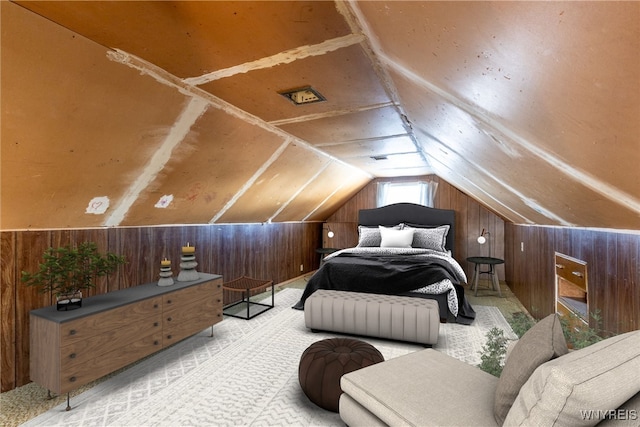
(69, 269)
(493, 352)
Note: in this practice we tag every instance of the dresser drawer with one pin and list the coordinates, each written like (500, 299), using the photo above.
(571, 270)
(191, 294)
(81, 374)
(82, 351)
(187, 320)
(126, 315)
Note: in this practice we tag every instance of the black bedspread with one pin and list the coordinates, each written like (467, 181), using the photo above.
(387, 274)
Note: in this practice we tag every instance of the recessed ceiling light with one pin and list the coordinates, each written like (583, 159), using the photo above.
(303, 95)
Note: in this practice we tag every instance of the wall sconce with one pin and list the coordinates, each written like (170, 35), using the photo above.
(330, 233)
(482, 239)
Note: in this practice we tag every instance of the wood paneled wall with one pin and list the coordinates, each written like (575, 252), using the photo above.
(613, 269)
(471, 218)
(271, 251)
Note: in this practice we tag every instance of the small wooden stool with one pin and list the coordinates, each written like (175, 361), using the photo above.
(248, 286)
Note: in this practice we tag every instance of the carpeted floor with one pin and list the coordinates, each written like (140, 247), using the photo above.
(23, 405)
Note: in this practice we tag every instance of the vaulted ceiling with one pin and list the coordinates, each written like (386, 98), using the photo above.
(159, 112)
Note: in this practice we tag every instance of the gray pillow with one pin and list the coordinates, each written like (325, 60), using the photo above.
(543, 342)
(429, 238)
(368, 237)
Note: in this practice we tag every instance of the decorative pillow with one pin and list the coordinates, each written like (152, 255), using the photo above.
(543, 342)
(369, 237)
(391, 238)
(583, 387)
(429, 238)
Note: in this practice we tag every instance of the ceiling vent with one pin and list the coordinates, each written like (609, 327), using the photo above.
(379, 157)
(303, 95)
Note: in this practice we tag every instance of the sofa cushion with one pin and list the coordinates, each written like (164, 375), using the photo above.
(627, 415)
(354, 414)
(543, 342)
(423, 388)
(582, 387)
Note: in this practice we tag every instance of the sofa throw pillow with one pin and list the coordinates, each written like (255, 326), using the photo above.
(583, 387)
(429, 238)
(543, 342)
(391, 238)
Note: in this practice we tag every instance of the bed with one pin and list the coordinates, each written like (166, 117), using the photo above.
(403, 249)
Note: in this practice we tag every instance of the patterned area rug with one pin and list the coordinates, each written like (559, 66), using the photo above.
(246, 375)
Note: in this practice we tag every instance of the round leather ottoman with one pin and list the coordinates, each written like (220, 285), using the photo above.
(324, 362)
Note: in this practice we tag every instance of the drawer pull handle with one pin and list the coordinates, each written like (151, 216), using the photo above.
(155, 323)
(560, 266)
(155, 305)
(169, 337)
(577, 273)
(168, 301)
(72, 332)
(72, 379)
(155, 342)
(168, 319)
(72, 356)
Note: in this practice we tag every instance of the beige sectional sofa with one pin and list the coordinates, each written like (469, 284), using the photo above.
(542, 384)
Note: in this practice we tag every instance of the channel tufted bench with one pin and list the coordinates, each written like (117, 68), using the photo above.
(382, 316)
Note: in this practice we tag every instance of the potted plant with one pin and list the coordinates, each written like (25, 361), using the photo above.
(67, 270)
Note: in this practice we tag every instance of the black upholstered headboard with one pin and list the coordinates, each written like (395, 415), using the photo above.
(411, 213)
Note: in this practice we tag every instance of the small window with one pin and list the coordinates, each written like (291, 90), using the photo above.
(418, 192)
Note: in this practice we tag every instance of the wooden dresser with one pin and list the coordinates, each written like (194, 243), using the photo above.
(72, 348)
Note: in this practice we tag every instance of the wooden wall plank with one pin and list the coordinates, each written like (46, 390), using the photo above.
(28, 254)
(8, 277)
(128, 245)
(607, 296)
(461, 202)
(628, 282)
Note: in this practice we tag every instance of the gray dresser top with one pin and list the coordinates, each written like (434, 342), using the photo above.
(115, 299)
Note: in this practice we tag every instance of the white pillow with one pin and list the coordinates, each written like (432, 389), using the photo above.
(392, 238)
(369, 237)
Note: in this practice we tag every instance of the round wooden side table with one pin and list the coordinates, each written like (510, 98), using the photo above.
(479, 261)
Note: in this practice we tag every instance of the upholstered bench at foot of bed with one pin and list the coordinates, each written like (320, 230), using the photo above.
(382, 316)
